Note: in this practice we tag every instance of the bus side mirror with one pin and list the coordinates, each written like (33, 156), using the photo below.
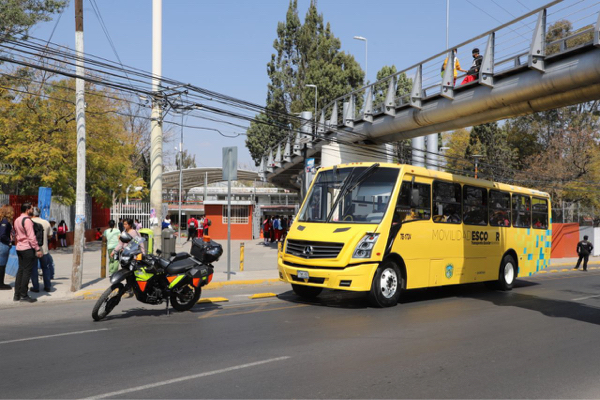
(414, 198)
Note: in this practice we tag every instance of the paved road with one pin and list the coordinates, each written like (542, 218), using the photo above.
(538, 341)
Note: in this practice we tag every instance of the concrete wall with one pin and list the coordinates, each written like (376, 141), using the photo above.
(218, 230)
(564, 240)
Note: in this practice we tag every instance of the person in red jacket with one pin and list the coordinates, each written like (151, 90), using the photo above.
(192, 228)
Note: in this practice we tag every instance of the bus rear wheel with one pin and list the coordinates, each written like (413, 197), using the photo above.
(386, 286)
(307, 292)
(507, 273)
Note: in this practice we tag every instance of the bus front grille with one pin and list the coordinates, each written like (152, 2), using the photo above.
(309, 249)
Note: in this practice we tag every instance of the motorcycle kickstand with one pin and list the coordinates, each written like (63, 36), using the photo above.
(168, 298)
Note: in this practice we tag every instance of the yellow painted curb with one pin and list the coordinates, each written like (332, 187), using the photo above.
(213, 300)
(262, 295)
(218, 285)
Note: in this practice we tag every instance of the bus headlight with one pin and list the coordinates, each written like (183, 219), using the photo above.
(364, 248)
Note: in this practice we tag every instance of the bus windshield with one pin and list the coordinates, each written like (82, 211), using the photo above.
(364, 194)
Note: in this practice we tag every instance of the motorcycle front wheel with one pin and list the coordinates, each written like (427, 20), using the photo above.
(185, 298)
(108, 301)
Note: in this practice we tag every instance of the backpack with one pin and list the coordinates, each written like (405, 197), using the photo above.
(192, 224)
(61, 229)
(5, 233)
(209, 222)
(38, 229)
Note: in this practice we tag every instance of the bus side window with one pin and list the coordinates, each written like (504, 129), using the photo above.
(475, 203)
(499, 208)
(447, 203)
(521, 209)
(406, 210)
(539, 211)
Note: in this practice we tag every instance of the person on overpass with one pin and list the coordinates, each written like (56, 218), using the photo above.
(456, 66)
(473, 73)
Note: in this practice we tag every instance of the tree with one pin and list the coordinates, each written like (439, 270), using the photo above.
(306, 53)
(490, 141)
(457, 141)
(189, 160)
(38, 138)
(568, 166)
(17, 16)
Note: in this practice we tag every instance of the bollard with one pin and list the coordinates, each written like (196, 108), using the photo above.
(103, 258)
(241, 256)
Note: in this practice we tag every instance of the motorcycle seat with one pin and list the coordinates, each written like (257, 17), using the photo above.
(180, 256)
(179, 267)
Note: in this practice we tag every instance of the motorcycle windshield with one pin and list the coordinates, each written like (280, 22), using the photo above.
(133, 247)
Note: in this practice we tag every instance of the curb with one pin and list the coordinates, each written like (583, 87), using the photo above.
(96, 293)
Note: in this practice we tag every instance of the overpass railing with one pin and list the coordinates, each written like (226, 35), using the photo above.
(525, 42)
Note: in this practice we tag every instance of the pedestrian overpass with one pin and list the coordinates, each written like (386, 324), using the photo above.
(527, 67)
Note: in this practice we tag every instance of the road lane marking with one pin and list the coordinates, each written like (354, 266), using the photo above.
(252, 311)
(186, 378)
(587, 297)
(51, 336)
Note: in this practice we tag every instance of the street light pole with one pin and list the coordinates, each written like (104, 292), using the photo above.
(366, 56)
(180, 173)
(476, 157)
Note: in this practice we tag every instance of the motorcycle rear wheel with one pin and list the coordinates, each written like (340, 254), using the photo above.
(108, 301)
(185, 298)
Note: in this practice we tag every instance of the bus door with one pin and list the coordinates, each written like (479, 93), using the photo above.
(410, 229)
(479, 238)
(446, 244)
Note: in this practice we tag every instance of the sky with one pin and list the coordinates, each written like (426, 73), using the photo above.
(225, 45)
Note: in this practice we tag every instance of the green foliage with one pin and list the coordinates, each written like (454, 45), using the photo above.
(490, 141)
(305, 53)
(17, 16)
(189, 160)
(38, 138)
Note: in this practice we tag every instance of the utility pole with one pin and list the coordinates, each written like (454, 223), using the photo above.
(156, 134)
(79, 241)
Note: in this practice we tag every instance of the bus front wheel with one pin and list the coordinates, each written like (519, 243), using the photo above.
(508, 273)
(307, 292)
(387, 285)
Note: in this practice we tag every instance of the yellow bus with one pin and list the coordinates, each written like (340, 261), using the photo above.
(385, 228)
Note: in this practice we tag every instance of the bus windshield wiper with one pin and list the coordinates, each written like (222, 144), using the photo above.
(349, 185)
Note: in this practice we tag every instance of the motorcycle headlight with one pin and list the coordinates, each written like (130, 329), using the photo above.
(364, 248)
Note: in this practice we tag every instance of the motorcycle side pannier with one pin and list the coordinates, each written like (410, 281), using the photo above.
(206, 251)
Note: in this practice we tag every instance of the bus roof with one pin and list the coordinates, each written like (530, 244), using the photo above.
(421, 171)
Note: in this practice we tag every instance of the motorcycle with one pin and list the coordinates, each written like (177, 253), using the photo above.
(153, 279)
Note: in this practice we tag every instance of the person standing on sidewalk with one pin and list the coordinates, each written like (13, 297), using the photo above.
(192, 228)
(45, 260)
(584, 249)
(28, 251)
(112, 240)
(6, 236)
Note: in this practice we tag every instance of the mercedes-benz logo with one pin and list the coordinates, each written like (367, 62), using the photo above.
(308, 250)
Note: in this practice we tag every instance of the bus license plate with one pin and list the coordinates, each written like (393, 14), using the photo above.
(302, 274)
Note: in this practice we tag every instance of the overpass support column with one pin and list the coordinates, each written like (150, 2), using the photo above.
(432, 151)
(418, 145)
(339, 153)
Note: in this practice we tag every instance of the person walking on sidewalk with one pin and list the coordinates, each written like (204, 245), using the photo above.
(45, 261)
(28, 251)
(112, 240)
(6, 237)
(62, 233)
(584, 249)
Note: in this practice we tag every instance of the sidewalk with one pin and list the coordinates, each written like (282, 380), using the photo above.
(260, 266)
